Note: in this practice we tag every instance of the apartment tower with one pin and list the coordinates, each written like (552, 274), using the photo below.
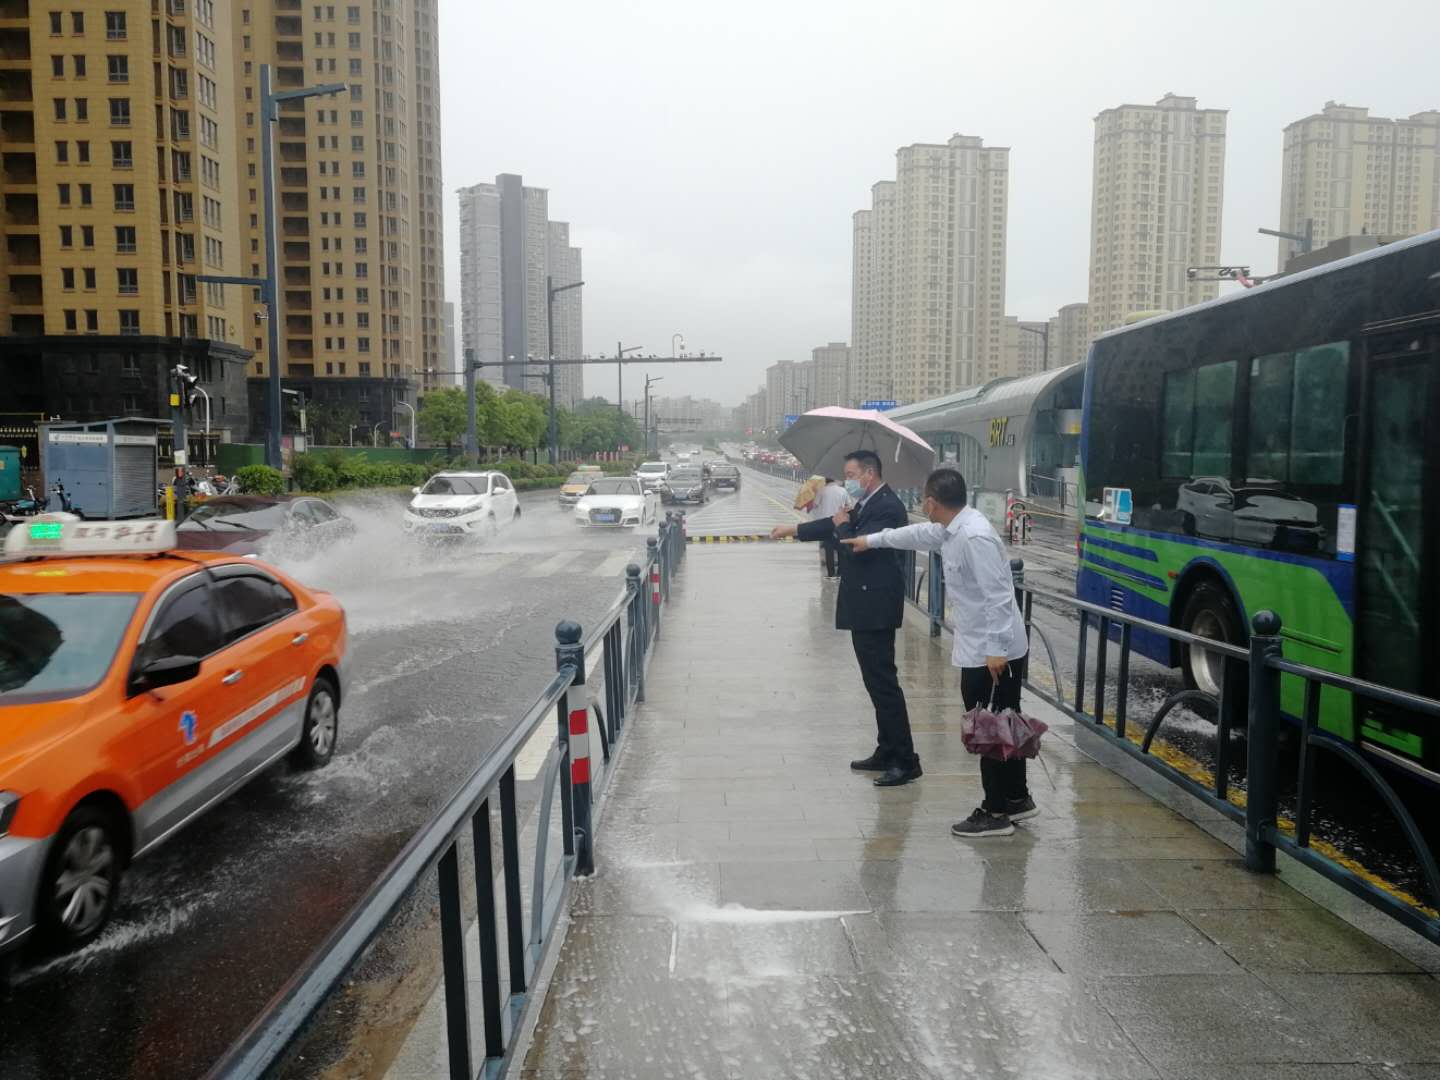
(358, 200)
(508, 246)
(1351, 174)
(832, 374)
(933, 287)
(119, 187)
(1159, 174)
(1069, 335)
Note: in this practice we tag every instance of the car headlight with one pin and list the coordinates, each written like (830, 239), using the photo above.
(9, 804)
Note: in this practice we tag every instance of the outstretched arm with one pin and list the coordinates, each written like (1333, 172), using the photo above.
(923, 537)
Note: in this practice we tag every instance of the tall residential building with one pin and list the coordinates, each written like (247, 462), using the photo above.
(789, 390)
(832, 374)
(1159, 175)
(933, 286)
(119, 185)
(1069, 335)
(1031, 349)
(1352, 174)
(357, 198)
(569, 343)
(507, 248)
(861, 253)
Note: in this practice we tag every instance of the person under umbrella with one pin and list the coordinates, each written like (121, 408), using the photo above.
(990, 646)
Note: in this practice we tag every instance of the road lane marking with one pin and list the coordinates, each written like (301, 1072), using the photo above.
(553, 564)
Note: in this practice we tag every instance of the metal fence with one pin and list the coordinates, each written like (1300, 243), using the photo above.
(625, 636)
(1249, 700)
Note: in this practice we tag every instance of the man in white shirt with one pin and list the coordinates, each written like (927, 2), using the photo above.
(990, 645)
(829, 501)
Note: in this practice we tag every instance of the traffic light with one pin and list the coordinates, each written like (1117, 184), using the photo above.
(182, 388)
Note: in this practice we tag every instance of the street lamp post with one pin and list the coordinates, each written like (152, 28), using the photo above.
(620, 373)
(674, 349)
(649, 381)
(375, 433)
(407, 405)
(550, 292)
(1045, 344)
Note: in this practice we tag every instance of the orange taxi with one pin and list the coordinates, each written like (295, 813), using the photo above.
(139, 686)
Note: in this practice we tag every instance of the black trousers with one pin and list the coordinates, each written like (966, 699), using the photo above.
(1003, 781)
(831, 549)
(875, 652)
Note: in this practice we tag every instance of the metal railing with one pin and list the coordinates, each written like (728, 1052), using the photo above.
(625, 636)
(1252, 675)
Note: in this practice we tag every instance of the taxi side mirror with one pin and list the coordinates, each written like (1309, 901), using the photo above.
(165, 671)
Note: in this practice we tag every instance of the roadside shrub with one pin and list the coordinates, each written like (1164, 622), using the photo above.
(312, 473)
(260, 480)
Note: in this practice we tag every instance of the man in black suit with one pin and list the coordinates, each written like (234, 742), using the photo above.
(871, 605)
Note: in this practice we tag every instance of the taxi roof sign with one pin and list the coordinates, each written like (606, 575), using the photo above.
(62, 535)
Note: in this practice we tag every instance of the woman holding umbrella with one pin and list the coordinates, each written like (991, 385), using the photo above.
(990, 644)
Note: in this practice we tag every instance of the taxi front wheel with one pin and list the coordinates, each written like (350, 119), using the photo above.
(82, 878)
(322, 726)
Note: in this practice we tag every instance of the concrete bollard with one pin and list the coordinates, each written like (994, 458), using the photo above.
(575, 733)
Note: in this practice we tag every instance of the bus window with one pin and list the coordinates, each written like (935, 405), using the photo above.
(1178, 435)
(1199, 406)
(1297, 415)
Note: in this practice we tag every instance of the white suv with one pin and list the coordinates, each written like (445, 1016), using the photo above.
(455, 505)
(652, 474)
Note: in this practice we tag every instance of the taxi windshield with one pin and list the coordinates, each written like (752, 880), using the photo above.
(580, 478)
(55, 645)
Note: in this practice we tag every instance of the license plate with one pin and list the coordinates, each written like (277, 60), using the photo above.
(438, 527)
(607, 518)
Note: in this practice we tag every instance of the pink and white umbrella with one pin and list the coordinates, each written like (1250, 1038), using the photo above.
(822, 437)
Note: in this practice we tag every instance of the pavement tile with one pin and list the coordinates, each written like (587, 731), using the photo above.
(1129, 943)
(1381, 1017)
(637, 1026)
(727, 850)
(881, 1025)
(615, 947)
(977, 944)
(1184, 1021)
(1216, 884)
(647, 890)
(1308, 1071)
(753, 944)
(1296, 939)
(790, 830)
(809, 886)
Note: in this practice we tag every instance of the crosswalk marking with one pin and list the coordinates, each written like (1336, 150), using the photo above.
(553, 564)
(614, 565)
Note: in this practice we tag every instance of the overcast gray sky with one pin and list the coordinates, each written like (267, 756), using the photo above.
(709, 155)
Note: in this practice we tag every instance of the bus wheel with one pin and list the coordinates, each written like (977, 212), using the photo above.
(1209, 613)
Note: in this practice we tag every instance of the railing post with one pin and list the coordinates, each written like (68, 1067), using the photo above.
(936, 589)
(576, 734)
(1262, 797)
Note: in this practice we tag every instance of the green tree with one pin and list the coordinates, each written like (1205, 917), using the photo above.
(328, 423)
(443, 416)
(522, 420)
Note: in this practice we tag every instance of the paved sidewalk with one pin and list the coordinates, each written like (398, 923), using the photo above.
(761, 911)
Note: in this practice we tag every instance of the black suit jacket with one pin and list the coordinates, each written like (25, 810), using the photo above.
(872, 583)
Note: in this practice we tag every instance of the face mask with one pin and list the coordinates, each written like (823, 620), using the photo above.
(854, 489)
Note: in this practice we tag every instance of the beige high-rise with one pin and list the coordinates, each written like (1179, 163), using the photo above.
(789, 391)
(1069, 335)
(931, 294)
(358, 196)
(1156, 205)
(1352, 173)
(832, 374)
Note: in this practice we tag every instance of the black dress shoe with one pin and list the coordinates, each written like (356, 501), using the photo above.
(873, 763)
(896, 775)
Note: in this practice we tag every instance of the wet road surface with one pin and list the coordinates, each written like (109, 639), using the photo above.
(447, 648)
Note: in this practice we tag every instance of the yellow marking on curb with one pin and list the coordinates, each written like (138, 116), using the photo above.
(743, 538)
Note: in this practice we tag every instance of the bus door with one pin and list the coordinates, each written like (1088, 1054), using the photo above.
(1396, 546)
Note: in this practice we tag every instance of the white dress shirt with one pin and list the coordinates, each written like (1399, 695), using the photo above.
(978, 584)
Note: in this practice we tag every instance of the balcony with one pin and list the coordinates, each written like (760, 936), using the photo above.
(292, 127)
(297, 300)
(14, 9)
(295, 201)
(287, 26)
(22, 209)
(292, 151)
(297, 275)
(296, 252)
(14, 45)
(293, 177)
(17, 169)
(15, 86)
(17, 128)
(287, 5)
(289, 78)
(27, 325)
(295, 226)
(26, 290)
(22, 250)
(300, 348)
(292, 51)
(298, 324)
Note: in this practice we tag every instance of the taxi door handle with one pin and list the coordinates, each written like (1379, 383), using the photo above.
(299, 639)
(233, 678)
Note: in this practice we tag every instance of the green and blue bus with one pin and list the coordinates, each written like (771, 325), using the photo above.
(1280, 448)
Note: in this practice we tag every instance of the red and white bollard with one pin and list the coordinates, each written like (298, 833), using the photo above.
(575, 734)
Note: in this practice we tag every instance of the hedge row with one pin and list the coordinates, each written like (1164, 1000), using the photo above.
(331, 471)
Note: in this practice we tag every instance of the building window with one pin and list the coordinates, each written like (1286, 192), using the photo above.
(79, 67)
(77, 22)
(67, 238)
(82, 151)
(70, 322)
(62, 151)
(87, 236)
(120, 112)
(127, 280)
(363, 344)
(357, 194)
(352, 16)
(357, 170)
(129, 321)
(89, 273)
(124, 196)
(125, 239)
(353, 40)
(92, 321)
(59, 108)
(122, 154)
(356, 66)
(67, 279)
(63, 190)
(57, 66)
(118, 68)
(56, 23)
(82, 108)
(115, 26)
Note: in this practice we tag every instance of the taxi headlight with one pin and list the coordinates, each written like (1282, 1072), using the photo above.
(9, 803)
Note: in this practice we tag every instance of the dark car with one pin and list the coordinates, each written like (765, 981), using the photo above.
(724, 475)
(684, 485)
(241, 524)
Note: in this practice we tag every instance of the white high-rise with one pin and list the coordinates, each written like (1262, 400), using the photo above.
(832, 374)
(568, 344)
(1352, 173)
(930, 297)
(1156, 204)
